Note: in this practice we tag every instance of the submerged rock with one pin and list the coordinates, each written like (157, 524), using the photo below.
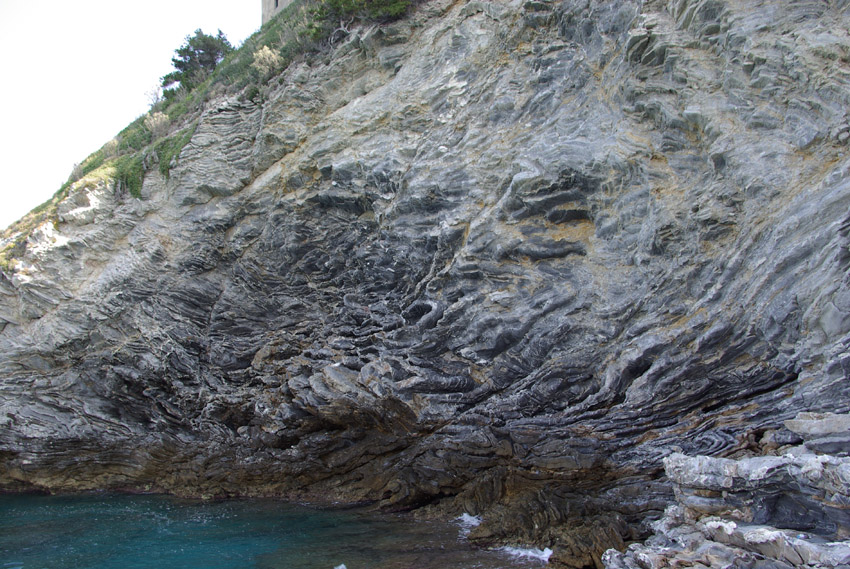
(500, 258)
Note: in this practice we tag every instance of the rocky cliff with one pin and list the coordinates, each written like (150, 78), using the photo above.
(500, 258)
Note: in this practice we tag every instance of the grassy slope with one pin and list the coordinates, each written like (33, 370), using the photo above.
(296, 31)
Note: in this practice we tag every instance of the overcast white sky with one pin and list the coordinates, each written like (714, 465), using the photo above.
(75, 73)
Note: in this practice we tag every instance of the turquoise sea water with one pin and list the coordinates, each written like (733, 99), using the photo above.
(147, 532)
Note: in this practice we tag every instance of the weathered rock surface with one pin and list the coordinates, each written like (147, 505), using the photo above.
(788, 510)
(500, 258)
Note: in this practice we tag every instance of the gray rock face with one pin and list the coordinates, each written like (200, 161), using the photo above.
(500, 258)
(769, 511)
(823, 432)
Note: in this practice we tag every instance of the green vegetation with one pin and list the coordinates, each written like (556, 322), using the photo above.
(205, 67)
(302, 28)
(133, 139)
(169, 148)
(16, 235)
(377, 10)
(130, 173)
(135, 136)
(195, 60)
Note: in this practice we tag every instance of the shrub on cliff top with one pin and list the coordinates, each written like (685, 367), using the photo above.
(130, 173)
(205, 66)
(266, 61)
(333, 16)
(158, 124)
(366, 9)
(168, 149)
(195, 60)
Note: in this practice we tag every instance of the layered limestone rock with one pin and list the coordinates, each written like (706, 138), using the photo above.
(785, 510)
(499, 258)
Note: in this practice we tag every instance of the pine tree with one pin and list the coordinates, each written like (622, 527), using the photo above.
(195, 60)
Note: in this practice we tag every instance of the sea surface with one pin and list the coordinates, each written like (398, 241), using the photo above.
(146, 532)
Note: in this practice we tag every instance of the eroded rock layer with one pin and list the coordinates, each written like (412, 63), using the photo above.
(779, 511)
(499, 258)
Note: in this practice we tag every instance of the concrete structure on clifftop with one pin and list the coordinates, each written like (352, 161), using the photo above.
(272, 7)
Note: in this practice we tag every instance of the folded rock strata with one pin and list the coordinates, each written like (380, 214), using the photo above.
(499, 258)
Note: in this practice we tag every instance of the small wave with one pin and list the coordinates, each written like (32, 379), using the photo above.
(341, 566)
(529, 553)
(467, 522)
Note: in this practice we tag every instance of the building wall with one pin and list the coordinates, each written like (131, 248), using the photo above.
(272, 7)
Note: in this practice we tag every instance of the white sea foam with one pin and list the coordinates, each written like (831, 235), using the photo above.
(341, 566)
(529, 553)
(467, 522)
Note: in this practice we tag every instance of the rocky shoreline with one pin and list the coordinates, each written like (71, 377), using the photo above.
(509, 259)
(789, 509)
